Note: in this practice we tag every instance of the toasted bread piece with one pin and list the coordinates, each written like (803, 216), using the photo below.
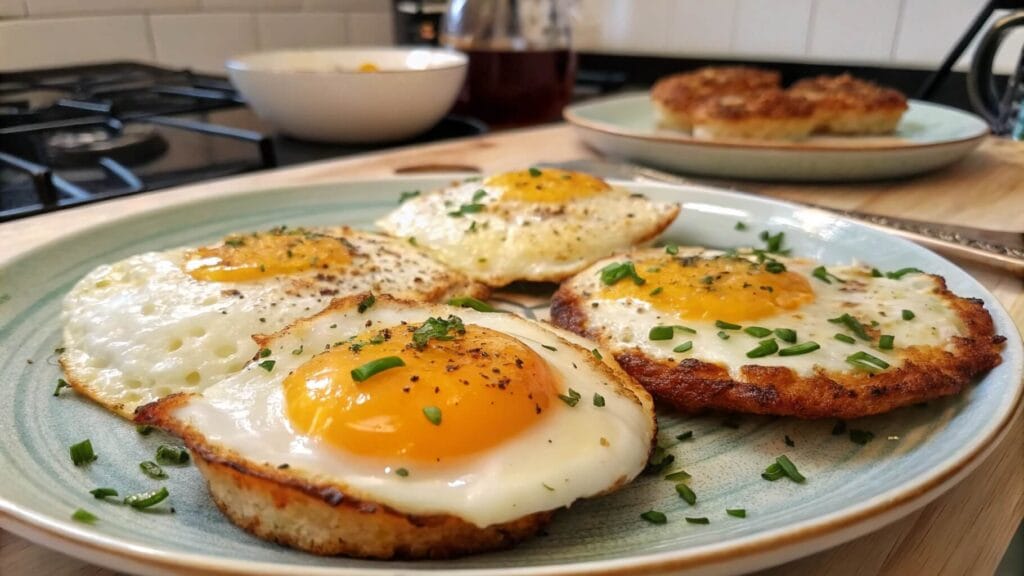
(847, 105)
(676, 97)
(767, 115)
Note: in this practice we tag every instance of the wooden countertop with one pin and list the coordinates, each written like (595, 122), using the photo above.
(967, 530)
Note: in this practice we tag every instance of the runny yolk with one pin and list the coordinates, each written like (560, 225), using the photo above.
(487, 387)
(729, 289)
(546, 185)
(241, 258)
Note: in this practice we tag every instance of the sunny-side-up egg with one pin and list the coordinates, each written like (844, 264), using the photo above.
(538, 225)
(412, 430)
(179, 320)
(767, 334)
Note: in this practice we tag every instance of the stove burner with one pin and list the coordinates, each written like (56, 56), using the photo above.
(134, 144)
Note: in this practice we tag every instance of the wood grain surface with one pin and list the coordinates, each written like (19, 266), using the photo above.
(965, 531)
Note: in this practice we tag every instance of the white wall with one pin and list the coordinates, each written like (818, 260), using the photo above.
(202, 33)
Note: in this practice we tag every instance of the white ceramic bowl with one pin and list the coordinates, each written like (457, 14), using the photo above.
(321, 94)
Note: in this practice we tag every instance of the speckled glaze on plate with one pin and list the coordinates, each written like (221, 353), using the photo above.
(928, 137)
(917, 452)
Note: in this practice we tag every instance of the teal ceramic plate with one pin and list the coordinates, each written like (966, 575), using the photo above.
(851, 489)
(928, 137)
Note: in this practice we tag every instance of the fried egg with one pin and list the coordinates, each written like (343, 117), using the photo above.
(444, 430)
(537, 224)
(179, 320)
(764, 333)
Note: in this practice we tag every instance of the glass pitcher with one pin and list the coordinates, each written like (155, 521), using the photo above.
(521, 65)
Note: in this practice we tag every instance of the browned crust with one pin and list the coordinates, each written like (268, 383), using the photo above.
(694, 386)
(772, 104)
(846, 93)
(325, 518)
(681, 92)
(79, 385)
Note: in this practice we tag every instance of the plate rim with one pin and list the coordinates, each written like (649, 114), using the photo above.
(778, 545)
(571, 115)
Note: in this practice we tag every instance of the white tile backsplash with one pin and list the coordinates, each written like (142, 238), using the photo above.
(251, 5)
(12, 8)
(30, 43)
(699, 27)
(862, 31)
(929, 28)
(74, 7)
(771, 28)
(305, 30)
(370, 29)
(347, 5)
(202, 41)
(638, 27)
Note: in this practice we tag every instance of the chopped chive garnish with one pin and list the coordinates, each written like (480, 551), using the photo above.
(908, 314)
(790, 469)
(839, 429)
(616, 271)
(867, 361)
(861, 437)
(773, 472)
(402, 472)
(844, 338)
(82, 453)
(726, 325)
(757, 331)
(684, 347)
(685, 435)
(407, 195)
(661, 333)
(786, 335)
(659, 460)
(267, 365)
(774, 266)
(672, 249)
(886, 341)
(902, 272)
(773, 242)
(825, 276)
(433, 414)
(144, 429)
(736, 512)
(84, 516)
(765, 348)
(678, 475)
(366, 303)
(147, 499)
(789, 441)
(572, 398)
(700, 520)
(688, 495)
(597, 354)
(298, 351)
(798, 349)
(740, 226)
(437, 329)
(264, 352)
(598, 400)
(549, 347)
(547, 487)
(100, 493)
(534, 172)
(654, 517)
(723, 335)
(61, 384)
(853, 325)
(656, 291)
(153, 470)
(373, 367)
(167, 454)
(479, 195)
(470, 302)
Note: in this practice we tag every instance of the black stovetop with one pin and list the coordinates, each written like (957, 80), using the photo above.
(82, 134)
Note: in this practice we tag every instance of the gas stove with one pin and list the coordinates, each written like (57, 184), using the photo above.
(70, 136)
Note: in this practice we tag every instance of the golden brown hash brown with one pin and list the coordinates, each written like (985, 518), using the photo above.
(684, 90)
(845, 92)
(693, 386)
(287, 507)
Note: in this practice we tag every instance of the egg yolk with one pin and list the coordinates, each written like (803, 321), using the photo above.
(730, 289)
(546, 185)
(242, 258)
(451, 398)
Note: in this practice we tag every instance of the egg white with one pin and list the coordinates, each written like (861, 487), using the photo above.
(142, 328)
(512, 240)
(573, 452)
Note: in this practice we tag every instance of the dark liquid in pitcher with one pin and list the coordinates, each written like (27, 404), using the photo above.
(508, 88)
